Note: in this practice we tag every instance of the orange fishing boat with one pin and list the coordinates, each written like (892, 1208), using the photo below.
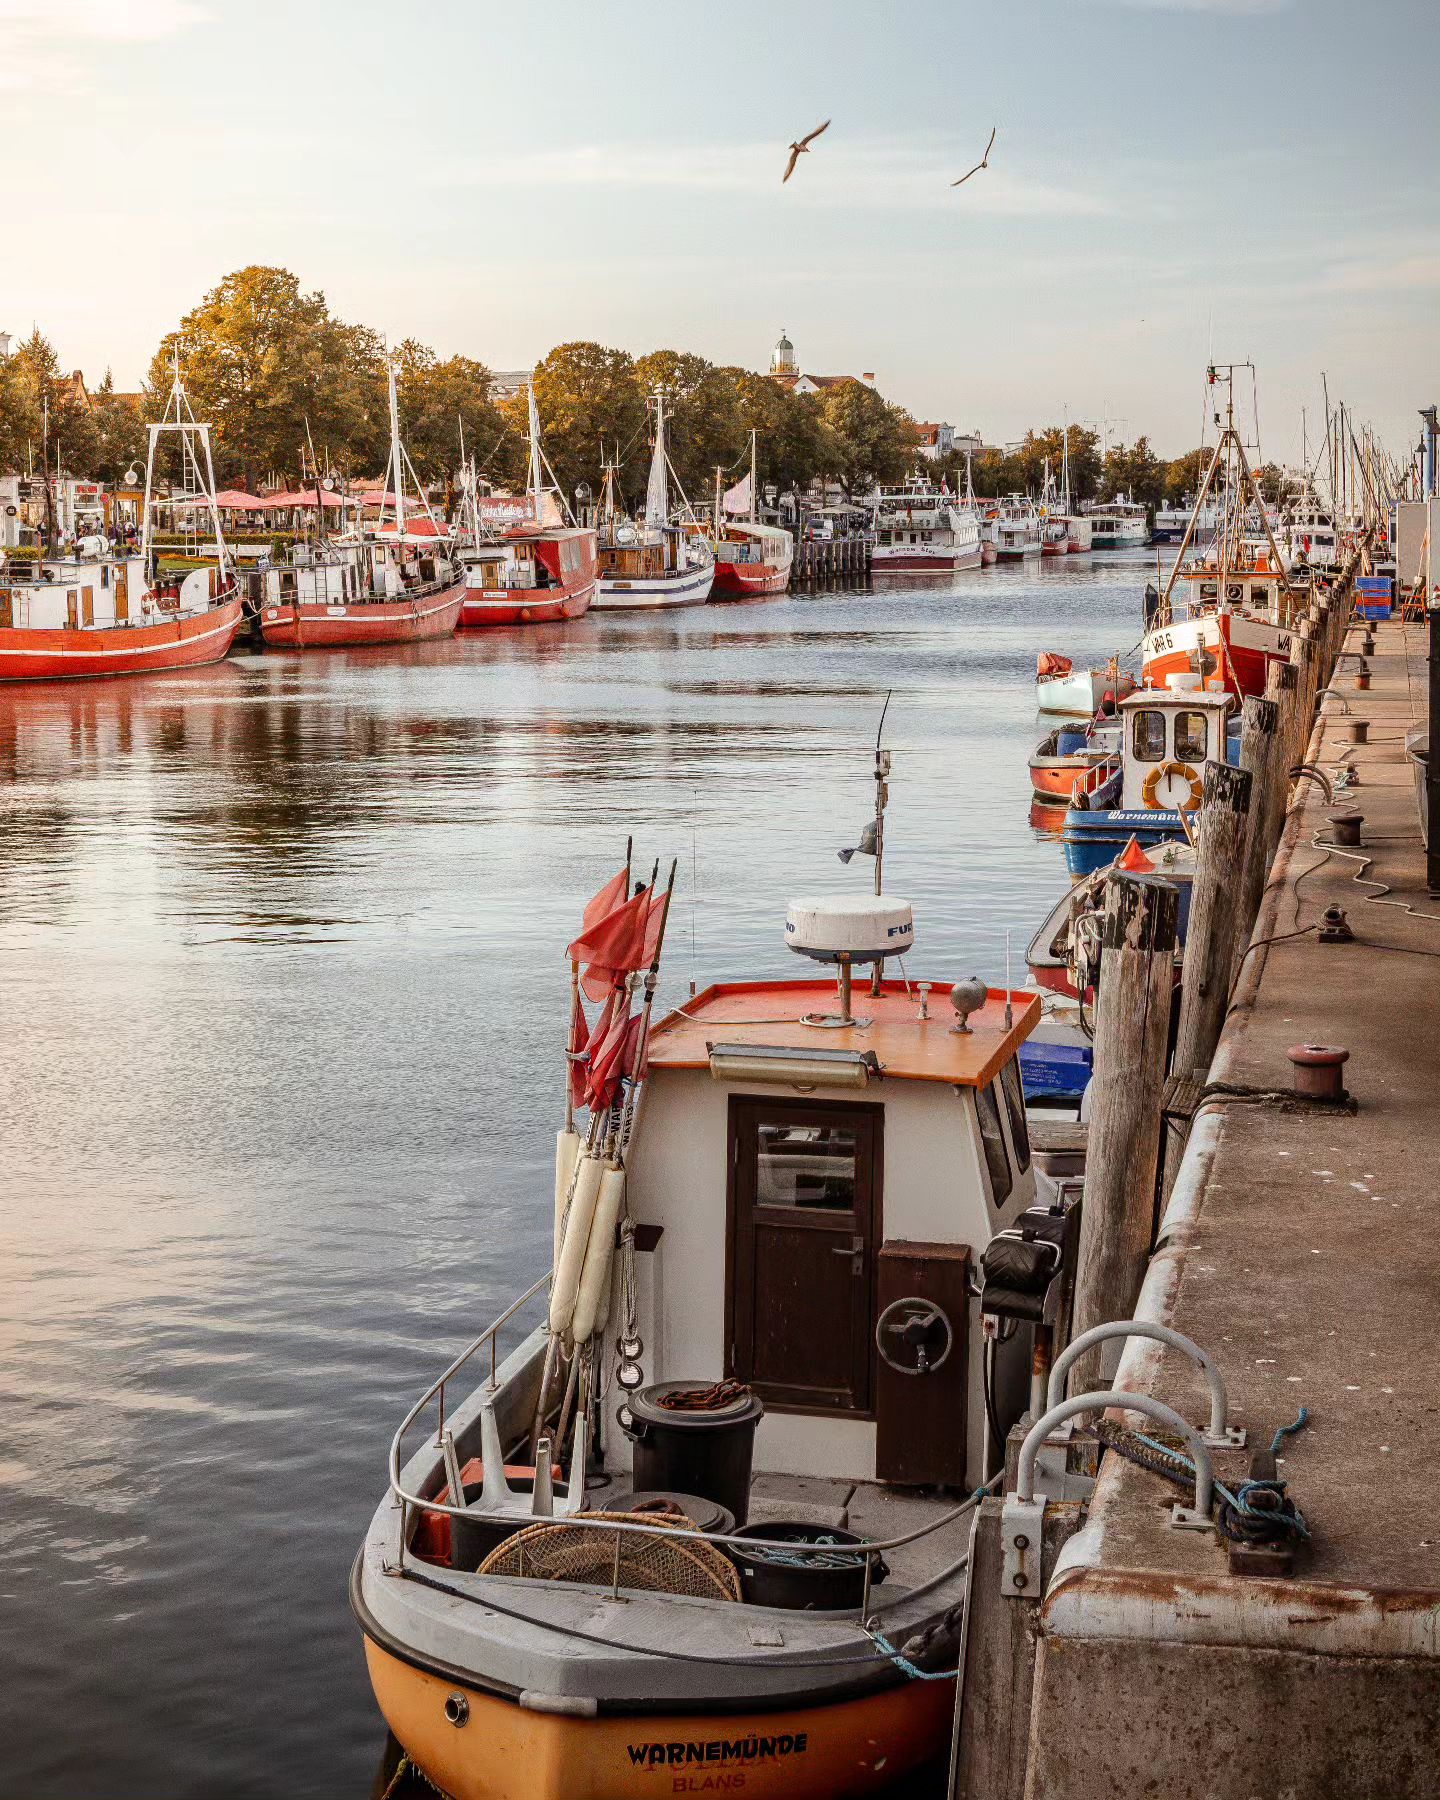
(757, 1501)
(393, 583)
(96, 611)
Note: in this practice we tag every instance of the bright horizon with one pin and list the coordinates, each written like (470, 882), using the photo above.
(1173, 180)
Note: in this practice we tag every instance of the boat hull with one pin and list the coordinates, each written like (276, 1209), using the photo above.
(1227, 650)
(1016, 552)
(691, 588)
(357, 625)
(747, 581)
(925, 562)
(864, 1745)
(62, 654)
(1093, 840)
(1079, 693)
(539, 606)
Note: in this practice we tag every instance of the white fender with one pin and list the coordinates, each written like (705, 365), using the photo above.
(567, 1154)
(571, 1259)
(599, 1254)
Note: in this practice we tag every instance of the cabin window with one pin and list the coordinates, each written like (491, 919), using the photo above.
(1209, 590)
(805, 1165)
(1147, 735)
(992, 1139)
(1190, 736)
(1013, 1090)
(1259, 593)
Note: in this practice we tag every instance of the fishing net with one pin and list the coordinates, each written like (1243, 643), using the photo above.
(648, 1561)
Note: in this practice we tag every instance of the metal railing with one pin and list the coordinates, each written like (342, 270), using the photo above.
(869, 1549)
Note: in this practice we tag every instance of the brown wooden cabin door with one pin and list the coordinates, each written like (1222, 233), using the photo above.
(804, 1224)
(122, 595)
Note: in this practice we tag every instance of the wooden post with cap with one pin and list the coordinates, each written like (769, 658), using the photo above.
(1132, 1032)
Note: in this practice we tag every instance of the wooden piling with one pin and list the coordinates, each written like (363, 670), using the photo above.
(1132, 1029)
(1262, 757)
(1221, 832)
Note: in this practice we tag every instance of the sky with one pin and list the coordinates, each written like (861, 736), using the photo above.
(1173, 181)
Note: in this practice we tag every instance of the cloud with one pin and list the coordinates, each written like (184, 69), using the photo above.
(45, 40)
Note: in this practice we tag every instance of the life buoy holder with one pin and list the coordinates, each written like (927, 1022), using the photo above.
(1159, 773)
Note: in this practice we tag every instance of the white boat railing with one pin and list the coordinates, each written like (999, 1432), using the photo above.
(870, 1550)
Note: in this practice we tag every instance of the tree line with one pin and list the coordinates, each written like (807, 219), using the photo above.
(277, 374)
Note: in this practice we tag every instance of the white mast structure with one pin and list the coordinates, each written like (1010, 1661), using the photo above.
(196, 478)
(657, 491)
(395, 467)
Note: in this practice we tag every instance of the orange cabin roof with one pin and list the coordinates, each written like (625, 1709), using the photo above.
(768, 1013)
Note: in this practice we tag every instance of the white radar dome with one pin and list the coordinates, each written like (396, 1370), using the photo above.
(859, 928)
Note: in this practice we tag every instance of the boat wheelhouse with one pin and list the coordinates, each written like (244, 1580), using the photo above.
(924, 529)
(1118, 524)
(1156, 781)
(1171, 523)
(1015, 528)
(672, 1531)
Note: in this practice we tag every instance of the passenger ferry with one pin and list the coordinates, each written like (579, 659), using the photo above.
(1118, 524)
(1172, 522)
(922, 529)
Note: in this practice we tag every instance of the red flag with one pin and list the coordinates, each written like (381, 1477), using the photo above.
(613, 946)
(609, 897)
(1134, 860)
(579, 1038)
(607, 1059)
(652, 929)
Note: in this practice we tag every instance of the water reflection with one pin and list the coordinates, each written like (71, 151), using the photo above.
(283, 988)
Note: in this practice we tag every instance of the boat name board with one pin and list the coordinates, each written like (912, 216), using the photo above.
(673, 1752)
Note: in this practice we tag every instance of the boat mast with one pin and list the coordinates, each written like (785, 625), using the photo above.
(536, 474)
(754, 513)
(396, 458)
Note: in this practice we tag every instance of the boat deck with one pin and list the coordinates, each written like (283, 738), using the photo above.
(1298, 1249)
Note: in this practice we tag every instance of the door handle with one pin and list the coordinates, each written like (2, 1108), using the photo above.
(855, 1250)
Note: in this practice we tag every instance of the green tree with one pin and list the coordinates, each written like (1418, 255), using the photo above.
(436, 399)
(117, 426)
(793, 444)
(1183, 475)
(702, 411)
(588, 397)
(1136, 471)
(872, 440)
(262, 361)
(37, 395)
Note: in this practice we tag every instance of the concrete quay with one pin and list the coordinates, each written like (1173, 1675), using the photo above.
(1299, 1249)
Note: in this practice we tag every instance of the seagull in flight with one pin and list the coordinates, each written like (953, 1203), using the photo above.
(984, 162)
(800, 149)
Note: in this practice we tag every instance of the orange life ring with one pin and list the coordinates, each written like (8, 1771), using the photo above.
(1186, 773)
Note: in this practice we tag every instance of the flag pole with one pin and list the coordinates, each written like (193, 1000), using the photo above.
(642, 1042)
(569, 1030)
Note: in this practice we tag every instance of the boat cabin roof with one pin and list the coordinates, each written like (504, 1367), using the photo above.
(1180, 699)
(769, 1015)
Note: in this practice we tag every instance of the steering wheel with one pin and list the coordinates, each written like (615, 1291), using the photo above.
(913, 1336)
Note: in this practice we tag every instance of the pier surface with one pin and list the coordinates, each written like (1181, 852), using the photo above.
(1299, 1248)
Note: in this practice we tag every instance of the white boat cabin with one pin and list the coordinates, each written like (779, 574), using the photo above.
(97, 590)
(345, 571)
(793, 1180)
(1166, 740)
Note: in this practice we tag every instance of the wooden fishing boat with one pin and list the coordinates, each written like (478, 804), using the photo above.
(658, 561)
(1243, 600)
(526, 561)
(392, 583)
(751, 559)
(545, 1636)
(98, 611)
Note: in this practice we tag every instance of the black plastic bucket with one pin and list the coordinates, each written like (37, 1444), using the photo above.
(833, 1581)
(706, 1452)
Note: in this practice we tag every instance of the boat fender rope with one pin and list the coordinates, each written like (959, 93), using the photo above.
(1256, 1512)
(903, 1663)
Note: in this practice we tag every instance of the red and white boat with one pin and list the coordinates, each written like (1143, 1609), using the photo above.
(657, 561)
(94, 612)
(1242, 603)
(526, 561)
(394, 584)
(751, 559)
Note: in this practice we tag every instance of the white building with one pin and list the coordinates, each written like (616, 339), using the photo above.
(785, 369)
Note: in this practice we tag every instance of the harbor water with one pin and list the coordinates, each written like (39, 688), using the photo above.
(284, 989)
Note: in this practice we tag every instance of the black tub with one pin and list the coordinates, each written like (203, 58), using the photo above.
(830, 1582)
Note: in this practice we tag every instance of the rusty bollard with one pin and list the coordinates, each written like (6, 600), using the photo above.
(1317, 1070)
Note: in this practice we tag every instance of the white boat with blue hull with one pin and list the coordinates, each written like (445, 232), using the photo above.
(1158, 778)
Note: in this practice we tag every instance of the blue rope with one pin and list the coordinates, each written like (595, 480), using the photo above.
(1302, 1419)
(1239, 1501)
(881, 1642)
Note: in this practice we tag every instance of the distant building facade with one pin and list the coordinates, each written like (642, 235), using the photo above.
(785, 369)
